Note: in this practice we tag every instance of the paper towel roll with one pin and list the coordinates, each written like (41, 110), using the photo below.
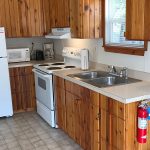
(84, 59)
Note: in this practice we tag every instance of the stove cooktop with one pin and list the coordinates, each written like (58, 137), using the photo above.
(50, 67)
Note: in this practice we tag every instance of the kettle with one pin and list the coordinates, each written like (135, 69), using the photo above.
(84, 59)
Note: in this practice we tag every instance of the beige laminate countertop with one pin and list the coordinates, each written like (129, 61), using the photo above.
(127, 93)
(31, 63)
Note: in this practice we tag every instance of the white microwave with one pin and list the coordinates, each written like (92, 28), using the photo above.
(18, 55)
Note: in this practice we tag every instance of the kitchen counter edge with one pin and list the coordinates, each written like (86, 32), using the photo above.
(31, 63)
(126, 94)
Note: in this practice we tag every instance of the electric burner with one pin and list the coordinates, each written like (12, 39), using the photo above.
(55, 64)
(44, 65)
(69, 67)
(54, 68)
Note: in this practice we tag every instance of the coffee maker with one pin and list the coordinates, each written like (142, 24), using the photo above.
(48, 51)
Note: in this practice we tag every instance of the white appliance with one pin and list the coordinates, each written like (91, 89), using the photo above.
(18, 55)
(48, 51)
(59, 33)
(5, 100)
(44, 83)
(84, 59)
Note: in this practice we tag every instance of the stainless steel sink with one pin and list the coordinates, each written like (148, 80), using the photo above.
(89, 75)
(102, 79)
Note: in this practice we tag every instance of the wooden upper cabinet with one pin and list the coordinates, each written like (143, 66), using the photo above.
(9, 17)
(55, 14)
(31, 19)
(138, 20)
(86, 18)
(27, 18)
(21, 18)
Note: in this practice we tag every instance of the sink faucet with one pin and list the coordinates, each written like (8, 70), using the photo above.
(123, 72)
(112, 70)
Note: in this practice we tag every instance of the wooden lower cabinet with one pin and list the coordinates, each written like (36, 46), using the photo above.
(94, 121)
(22, 89)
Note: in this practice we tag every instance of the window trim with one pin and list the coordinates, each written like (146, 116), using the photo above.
(120, 49)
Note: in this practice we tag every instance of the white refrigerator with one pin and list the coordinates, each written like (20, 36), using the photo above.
(5, 93)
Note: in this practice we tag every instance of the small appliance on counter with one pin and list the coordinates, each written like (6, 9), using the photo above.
(48, 51)
(18, 55)
(39, 55)
(84, 59)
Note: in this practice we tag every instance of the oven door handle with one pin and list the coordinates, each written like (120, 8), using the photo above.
(41, 73)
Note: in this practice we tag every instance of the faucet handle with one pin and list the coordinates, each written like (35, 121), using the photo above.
(112, 69)
(124, 73)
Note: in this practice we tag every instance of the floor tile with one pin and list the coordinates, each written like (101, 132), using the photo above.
(28, 131)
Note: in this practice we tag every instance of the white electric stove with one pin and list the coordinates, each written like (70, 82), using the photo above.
(44, 82)
(50, 67)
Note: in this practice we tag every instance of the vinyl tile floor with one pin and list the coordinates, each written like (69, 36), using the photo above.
(28, 131)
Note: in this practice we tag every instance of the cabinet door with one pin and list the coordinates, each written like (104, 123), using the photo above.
(86, 18)
(31, 19)
(56, 14)
(70, 115)
(138, 20)
(60, 108)
(9, 18)
(95, 117)
(21, 18)
(59, 94)
(112, 124)
(22, 89)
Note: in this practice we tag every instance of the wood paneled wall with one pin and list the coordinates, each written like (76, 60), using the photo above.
(86, 18)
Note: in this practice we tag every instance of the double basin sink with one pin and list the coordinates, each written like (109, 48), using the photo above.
(102, 79)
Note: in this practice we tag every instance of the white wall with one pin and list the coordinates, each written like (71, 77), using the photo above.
(97, 54)
(26, 42)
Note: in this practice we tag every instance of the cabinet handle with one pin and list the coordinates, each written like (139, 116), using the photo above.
(98, 116)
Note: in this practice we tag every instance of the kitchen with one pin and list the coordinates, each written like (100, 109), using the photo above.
(86, 115)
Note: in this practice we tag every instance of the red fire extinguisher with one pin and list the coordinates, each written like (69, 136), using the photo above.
(142, 124)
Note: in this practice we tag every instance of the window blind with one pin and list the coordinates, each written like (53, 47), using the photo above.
(116, 25)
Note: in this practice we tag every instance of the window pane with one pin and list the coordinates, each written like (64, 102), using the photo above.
(115, 24)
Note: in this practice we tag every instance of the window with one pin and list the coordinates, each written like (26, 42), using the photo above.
(115, 26)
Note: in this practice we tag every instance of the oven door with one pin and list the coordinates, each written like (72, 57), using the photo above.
(44, 88)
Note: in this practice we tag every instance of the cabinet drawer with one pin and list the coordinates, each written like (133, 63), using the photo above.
(74, 88)
(18, 71)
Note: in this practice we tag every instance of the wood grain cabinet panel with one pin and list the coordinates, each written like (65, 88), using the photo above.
(55, 14)
(22, 18)
(22, 89)
(97, 122)
(86, 18)
(27, 18)
(138, 20)
(81, 111)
